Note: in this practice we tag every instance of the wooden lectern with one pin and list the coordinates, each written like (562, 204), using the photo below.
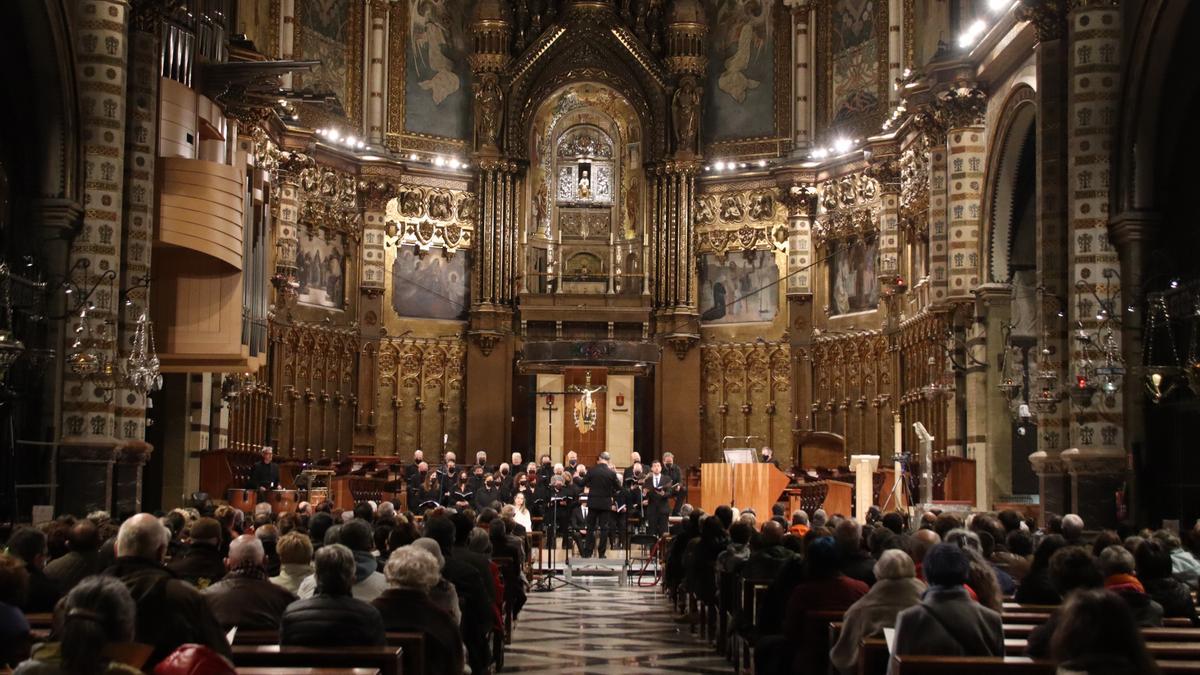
(756, 486)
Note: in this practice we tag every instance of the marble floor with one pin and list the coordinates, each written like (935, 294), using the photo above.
(612, 629)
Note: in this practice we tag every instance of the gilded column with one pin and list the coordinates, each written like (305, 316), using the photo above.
(287, 234)
(101, 33)
(376, 70)
(939, 245)
(895, 48)
(140, 150)
(374, 193)
(1096, 458)
(1049, 19)
(801, 203)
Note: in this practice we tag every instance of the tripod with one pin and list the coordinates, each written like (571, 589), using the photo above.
(550, 577)
(897, 492)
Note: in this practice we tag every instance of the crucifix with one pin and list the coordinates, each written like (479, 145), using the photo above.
(585, 411)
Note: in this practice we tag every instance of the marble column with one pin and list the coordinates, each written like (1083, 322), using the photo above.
(287, 37)
(939, 247)
(374, 193)
(895, 48)
(287, 233)
(801, 203)
(802, 81)
(101, 29)
(140, 150)
(1096, 460)
(989, 421)
(1049, 20)
(376, 70)
(963, 113)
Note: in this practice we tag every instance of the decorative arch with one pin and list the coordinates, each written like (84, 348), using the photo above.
(590, 46)
(1017, 122)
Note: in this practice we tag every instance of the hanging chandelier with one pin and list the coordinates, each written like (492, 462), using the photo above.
(84, 359)
(140, 370)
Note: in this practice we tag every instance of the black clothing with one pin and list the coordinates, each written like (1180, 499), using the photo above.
(859, 565)
(263, 476)
(603, 485)
(202, 566)
(486, 496)
(473, 598)
(73, 567)
(678, 487)
(658, 507)
(410, 610)
(170, 612)
(331, 621)
(1173, 595)
(248, 603)
(1036, 589)
(43, 592)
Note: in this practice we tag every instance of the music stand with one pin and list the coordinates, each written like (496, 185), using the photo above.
(546, 583)
(737, 456)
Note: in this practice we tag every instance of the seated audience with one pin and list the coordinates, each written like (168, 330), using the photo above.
(369, 583)
(170, 612)
(948, 622)
(1153, 564)
(15, 639)
(1072, 529)
(1036, 588)
(896, 589)
(442, 593)
(825, 589)
(96, 626)
(203, 564)
(1097, 635)
(29, 545)
(1184, 565)
(1117, 566)
(854, 562)
(295, 561)
(406, 606)
(332, 616)
(245, 597)
(82, 558)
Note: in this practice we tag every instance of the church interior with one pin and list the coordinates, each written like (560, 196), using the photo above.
(933, 254)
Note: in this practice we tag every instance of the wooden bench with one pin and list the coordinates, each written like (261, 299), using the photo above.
(413, 645)
(1007, 665)
(387, 660)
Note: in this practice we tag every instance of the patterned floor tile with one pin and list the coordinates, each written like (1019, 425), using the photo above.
(612, 629)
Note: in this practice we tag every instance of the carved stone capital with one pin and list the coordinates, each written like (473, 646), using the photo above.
(133, 452)
(885, 169)
(1133, 226)
(374, 194)
(926, 122)
(485, 340)
(1049, 17)
(1047, 463)
(961, 107)
(1081, 462)
(291, 164)
(682, 343)
(372, 292)
(800, 199)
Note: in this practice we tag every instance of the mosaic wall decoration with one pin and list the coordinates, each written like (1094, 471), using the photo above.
(430, 284)
(437, 87)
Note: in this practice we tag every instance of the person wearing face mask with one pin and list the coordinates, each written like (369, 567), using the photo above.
(461, 494)
(572, 463)
(481, 461)
(768, 456)
(678, 487)
(545, 470)
(411, 469)
(477, 477)
(488, 494)
(416, 484)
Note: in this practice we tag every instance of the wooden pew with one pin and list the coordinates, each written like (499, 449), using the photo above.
(413, 645)
(388, 660)
(1008, 665)
(308, 671)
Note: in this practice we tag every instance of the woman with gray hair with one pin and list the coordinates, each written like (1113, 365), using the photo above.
(406, 606)
(896, 589)
(97, 614)
(443, 594)
(333, 616)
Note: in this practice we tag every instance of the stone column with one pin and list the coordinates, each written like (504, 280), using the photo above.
(287, 234)
(101, 32)
(962, 110)
(895, 48)
(989, 437)
(287, 37)
(1049, 18)
(802, 81)
(376, 70)
(801, 203)
(141, 143)
(374, 193)
(939, 246)
(1097, 458)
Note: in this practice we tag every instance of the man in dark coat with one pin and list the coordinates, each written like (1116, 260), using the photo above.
(264, 475)
(406, 607)
(473, 596)
(602, 485)
(679, 487)
(29, 545)
(170, 612)
(657, 491)
(203, 564)
(333, 617)
(82, 560)
(246, 598)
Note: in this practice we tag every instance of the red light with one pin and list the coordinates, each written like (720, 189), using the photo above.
(1081, 382)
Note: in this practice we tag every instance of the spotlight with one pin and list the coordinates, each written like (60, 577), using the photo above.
(843, 145)
(413, 157)
(972, 34)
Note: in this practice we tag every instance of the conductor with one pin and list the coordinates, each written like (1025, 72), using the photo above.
(657, 487)
(602, 485)
(264, 475)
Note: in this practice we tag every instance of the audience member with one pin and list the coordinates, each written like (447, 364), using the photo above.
(97, 616)
(332, 616)
(203, 564)
(82, 558)
(29, 545)
(15, 639)
(295, 561)
(1037, 589)
(170, 612)
(825, 589)
(1072, 529)
(948, 622)
(406, 606)
(896, 589)
(1153, 564)
(1097, 635)
(369, 583)
(853, 561)
(245, 597)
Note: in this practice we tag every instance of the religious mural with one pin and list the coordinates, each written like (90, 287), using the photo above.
(324, 36)
(321, 271)
(432, 285)
(728, 286)
(739, 94)
(853, 284)
(437, 90)
(852, 57)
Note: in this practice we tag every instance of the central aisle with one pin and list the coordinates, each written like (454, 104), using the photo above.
(611, 630)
